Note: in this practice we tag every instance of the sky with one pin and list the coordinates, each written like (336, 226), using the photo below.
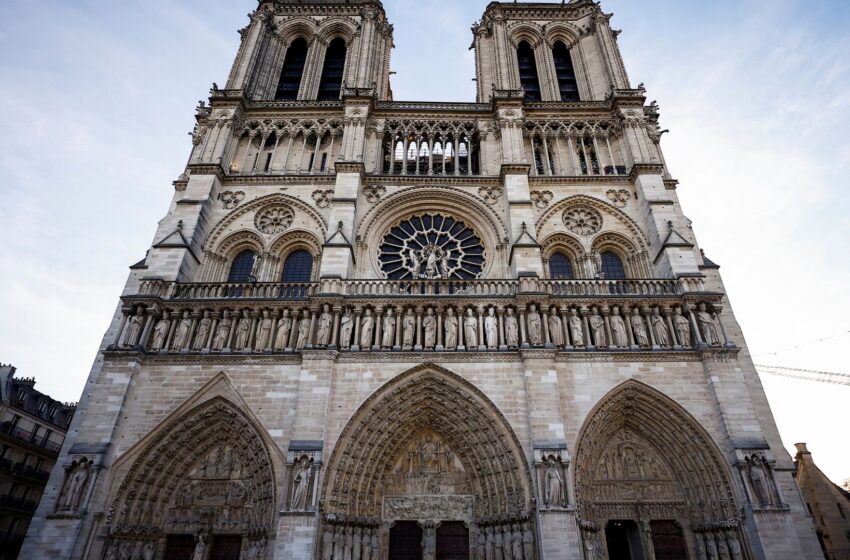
(98, 98)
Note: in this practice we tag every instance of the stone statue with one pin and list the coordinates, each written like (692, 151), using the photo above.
(149, 551)
(303, 331)
(498, 544)
(366, 547)
(255, 267)
(323, 330)
(327, 544)
(388, 340)
(204, 326)
(491, 544)
(429, 543)
(556, 328)
(183, 332)
(511, 329)
(759, 481)
(706, 323)
(73, 494)
(597, 326)
(356, 544)
(491, 328)
(450, 326)
(618, 329)
(711, 546)
(639, 328)
(535, 331)
(659, 328)
(376, 545)
(367, 325)
(346, 324)
(133, 329)
(527, 541)
(683, 327)
(200, 549)
(264, 332)
(481, 545)
(243, 331)
(339, 544)
(516, 543)
(284, 327)
(576, 329)
(349, 543)
(507, 543)
(415, 265)
(160, 333)
(554, 484)
(429, 325)
(112, 551)
(301, 483)
(735, 547)
(222, 332)
(409, 328)
(470, 329)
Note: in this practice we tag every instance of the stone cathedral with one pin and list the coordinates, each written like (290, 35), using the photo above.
(371, 329)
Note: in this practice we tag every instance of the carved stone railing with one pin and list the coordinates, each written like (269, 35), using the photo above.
(568, 288)
(432, 288)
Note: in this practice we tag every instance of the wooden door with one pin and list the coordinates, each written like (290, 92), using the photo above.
(179, 547)
(452, 541)
(406, 541)
(225, 547)
(668, 541)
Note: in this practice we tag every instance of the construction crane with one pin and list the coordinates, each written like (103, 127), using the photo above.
(806, 374)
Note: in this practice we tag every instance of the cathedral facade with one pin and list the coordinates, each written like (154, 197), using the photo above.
(370, 329)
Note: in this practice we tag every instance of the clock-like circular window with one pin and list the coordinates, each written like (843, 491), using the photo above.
(431, 247)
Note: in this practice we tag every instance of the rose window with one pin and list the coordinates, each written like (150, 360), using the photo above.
(274, 220)
(583, 220)
(431, 247)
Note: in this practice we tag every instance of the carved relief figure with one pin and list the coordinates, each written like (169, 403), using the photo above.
(491, 544)
(659, 328)
(367, 325)
(553, 495)
(618, 329)
(511, 329)
(516, 543)
(639, 327)
(203, 333)
(181, 335)
(706, 324)
(409, 324)
(346, 324)
(470, 329)
(429, 325)
(683, 327)
(284, 327)
(450, 326)
(323, 330)
(597, 327)
(535, 333)
(160, 332)
(556, 328)
(349, 542)
(76, 483)
(527, 541)
(576, 329)
(243, 331)
(339, 544)
(357, 544)
(264, 332)
(366, 547)
(133, 329)
(301, 483)
(498, 544)
(491, 329)
(388, 340)
(327, 544)
(507, 543)
(303, 330)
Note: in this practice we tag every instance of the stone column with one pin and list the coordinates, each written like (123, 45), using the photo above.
(627, 312)
(588, 340)
(566, 328)
(418, 344)
(606, 314)
(523, 339)
(335, 332)
(547, 338)
(482, 344)
(439, 347)
(501, 323)
(355, 346)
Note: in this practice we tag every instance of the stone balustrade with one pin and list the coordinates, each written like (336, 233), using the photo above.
(422, 315)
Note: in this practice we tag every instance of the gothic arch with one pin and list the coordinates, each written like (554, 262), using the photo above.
(524, 31)
(416, 200)
(570, 247)
(640, 455)
(297, 27)
(561, 31)
(238, 241)
(334, 27)
(618, 221)
(427, 397)
(207, 468)
(289, 242)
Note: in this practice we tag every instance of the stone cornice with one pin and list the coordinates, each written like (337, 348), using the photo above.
(291, 179)
(540, 181)
(431, 180)
(646, 169)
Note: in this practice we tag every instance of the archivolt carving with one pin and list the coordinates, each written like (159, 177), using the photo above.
(239, 241)
(617, 218)
(525, 31)
(560, 241)
(207, 470)
(637, 446)
(410, 413)
(296, 26)
(337, 26)
(561, 31)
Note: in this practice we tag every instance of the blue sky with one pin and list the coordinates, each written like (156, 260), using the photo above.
(98, 99)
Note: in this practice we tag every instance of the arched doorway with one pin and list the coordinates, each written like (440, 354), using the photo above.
(651, 484)
(204, 481)
(430, 449)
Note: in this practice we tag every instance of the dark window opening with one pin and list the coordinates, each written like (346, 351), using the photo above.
(567, 83)
(560, 267)
(243, 264)
(528, 72)
(331, 81)
(298, 267)
(293, 69)
(612, 266)
(623, 540)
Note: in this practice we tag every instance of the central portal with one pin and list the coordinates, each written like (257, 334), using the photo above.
(410, 541)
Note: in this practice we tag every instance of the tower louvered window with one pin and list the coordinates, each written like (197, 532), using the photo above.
(293, 70)
(566, 74)
(331, 82)
(528, 72)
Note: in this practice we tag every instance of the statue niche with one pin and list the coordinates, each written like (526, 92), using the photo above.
(427, 466)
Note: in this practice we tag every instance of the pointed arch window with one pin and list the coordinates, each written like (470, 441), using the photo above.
(567, 83)
(293, 70)
(527, 65)
(612, 266)
(243, 264)
(560, 267)
(298, 267)
(331, 81)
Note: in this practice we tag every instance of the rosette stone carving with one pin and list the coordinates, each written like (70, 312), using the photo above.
(274, 219)
(582, 220)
